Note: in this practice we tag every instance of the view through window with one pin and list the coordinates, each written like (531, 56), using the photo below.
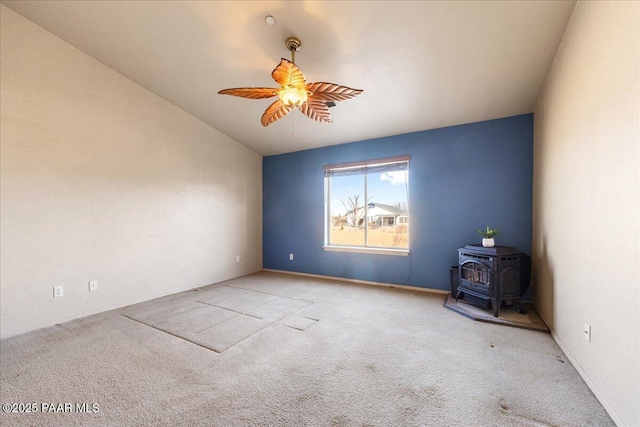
(367, 204)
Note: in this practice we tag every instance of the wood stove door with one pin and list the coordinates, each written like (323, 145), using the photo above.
(475, 276)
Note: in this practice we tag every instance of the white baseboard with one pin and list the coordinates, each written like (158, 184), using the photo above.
(594, 388)
(362, 282)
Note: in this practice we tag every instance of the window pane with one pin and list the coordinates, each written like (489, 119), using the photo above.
(347, 210)
(380, 221)
(388, 210)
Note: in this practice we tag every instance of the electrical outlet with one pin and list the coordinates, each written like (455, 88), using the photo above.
(290, 257)
(93, 285)
(587, 332)
(237, 258)
(57, 291)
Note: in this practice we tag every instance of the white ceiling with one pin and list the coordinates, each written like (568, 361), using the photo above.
(422, 65)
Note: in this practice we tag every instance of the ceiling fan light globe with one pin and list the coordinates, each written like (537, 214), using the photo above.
(293, 97)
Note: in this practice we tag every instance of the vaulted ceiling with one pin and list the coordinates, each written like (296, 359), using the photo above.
(422, 65)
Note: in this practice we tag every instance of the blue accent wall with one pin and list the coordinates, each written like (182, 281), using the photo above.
(460, 179)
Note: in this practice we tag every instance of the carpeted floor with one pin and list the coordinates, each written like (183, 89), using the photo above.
(278, 350)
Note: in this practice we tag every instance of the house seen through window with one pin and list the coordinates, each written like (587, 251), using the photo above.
(366, 204)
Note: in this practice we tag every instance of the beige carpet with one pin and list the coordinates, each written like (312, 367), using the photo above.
(278, 350)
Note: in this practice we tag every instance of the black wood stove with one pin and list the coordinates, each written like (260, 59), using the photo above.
(492, 276)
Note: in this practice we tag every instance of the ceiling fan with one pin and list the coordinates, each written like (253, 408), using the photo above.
(295, 92)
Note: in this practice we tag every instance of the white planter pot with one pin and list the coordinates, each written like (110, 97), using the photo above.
(488, 243)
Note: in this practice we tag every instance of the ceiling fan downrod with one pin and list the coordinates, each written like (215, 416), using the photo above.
(293, 44)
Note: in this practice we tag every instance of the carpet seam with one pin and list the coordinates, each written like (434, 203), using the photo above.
(169, 333)
(267, 293)
(231, 310)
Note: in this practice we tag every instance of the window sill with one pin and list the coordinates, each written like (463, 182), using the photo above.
(361, 250)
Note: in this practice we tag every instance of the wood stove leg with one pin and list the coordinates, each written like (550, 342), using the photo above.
(496, 306)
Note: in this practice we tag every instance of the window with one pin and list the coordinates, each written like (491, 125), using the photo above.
(367, 206)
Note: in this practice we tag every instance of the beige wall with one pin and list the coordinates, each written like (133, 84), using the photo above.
(101, 179)
(586, 201)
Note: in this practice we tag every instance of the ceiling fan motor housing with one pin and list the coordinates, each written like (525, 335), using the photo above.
(293, 44)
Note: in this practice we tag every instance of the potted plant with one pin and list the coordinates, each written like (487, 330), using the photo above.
(487, 236)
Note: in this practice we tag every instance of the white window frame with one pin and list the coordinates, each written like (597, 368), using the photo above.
(327, 205)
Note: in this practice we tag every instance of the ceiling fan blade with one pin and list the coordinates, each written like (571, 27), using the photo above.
(251, 92)
(332, 92)
(316, 110)
(288, 74)
(276, 111)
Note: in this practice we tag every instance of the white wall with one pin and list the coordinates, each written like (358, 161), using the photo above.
(586, 201)
(101, 179)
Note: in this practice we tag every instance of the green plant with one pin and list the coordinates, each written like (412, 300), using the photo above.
(488, 233)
